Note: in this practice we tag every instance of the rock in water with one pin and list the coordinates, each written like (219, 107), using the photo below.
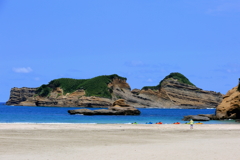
(119, 107)
(195, 118)
(174, 91)
(18, 95)
(210, 116)
(81, 111)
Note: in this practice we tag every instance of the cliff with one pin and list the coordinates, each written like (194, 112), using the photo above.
(188, 95)
(102, 91)
(229, 108)
(18, 95)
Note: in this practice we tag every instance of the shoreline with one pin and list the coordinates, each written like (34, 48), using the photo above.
(119, 141)
(116, 126)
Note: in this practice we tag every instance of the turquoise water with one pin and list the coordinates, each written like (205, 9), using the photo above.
(24, 114)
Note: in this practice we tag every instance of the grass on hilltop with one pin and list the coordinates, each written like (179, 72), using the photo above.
(175, 75)
(96, 86)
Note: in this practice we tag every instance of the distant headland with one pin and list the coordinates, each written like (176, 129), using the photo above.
(174, 91)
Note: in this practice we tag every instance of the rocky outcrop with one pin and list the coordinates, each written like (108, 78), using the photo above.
(73, 101)
(18, 95)
(188, 95)
(229, 108)
(27, 97)
(136, 91)
(195, 118)
(210, 116)
(171, 94)
(119, 107)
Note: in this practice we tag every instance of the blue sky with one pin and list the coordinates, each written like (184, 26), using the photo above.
(142, 40)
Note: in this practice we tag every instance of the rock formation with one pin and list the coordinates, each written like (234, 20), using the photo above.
(195, 118)
(18, 95)
(229, 108)
(119, 107)
(171, 93)
(188, 95)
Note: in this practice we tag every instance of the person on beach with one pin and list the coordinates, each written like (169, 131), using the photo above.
(191, 124)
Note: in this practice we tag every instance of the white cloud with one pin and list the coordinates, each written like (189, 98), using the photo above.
(226, 7)
(134, 63)
(22, 70)
(149, 80)
(36, 78)
(233, 70)
(229, 68)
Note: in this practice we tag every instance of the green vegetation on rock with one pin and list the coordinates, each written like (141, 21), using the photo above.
(175, 75)
(43, 90)
(179, 77)
(151, 87)
(96, 86)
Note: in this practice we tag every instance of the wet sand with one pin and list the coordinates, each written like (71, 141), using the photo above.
(119, 141)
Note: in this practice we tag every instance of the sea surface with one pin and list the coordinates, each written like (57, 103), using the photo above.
(25, 114)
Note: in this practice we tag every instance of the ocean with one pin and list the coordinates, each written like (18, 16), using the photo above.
(25, 114)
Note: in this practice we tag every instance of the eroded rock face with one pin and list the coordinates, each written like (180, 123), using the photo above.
(135, 91)
(27, 97)
(172, 94)
(187, 95)
(74, 101)
(119, 107)
(18, 95)
(121, 83)
(120, 103)
(229, 108)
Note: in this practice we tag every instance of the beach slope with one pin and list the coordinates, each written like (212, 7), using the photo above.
(119, 141)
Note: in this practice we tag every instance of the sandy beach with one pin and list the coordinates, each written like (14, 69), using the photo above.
(119, 141)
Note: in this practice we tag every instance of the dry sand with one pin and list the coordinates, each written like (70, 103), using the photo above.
(119, 142)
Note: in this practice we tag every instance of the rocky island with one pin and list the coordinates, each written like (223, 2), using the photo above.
(174, 91)
(119, 107)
